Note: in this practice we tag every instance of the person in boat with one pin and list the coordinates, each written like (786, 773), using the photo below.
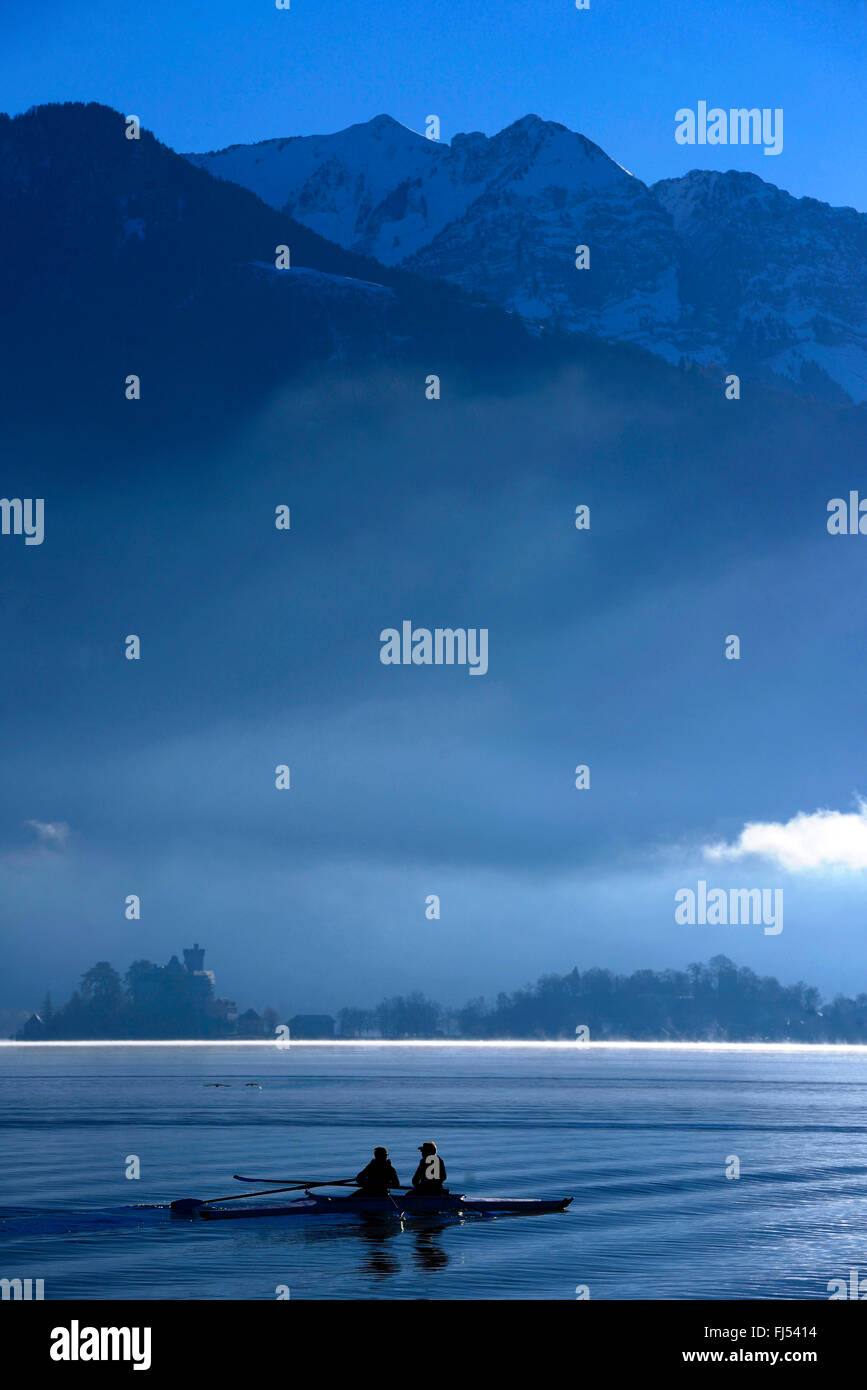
(428, 1180)
(378, 1176)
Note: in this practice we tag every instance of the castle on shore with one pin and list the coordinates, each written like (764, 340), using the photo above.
(175, 1000)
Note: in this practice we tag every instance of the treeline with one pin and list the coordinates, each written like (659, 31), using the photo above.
(717, 1002)
(150, 1001)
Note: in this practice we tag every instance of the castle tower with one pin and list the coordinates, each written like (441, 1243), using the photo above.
(194, 959)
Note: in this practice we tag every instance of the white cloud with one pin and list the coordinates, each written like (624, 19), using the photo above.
(50, 832)
(822, 840)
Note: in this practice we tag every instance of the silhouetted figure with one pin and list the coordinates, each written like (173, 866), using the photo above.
(430, 1175)
(378, 1176)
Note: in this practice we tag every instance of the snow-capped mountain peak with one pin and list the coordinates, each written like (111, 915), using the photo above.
(722, 268)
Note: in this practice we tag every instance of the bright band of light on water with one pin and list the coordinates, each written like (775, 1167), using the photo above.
(564, 1045)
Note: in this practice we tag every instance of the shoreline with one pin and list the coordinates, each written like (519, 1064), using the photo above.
(563, 1045)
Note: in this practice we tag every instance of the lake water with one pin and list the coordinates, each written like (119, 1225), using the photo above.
(640, 1138)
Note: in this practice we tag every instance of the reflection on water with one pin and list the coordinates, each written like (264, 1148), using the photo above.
(387, 1244)
(429, 1251)
(377, 1235)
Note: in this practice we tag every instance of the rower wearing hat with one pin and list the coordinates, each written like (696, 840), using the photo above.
(430, 1175)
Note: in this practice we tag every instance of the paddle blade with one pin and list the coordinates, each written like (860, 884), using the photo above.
(240, 1178)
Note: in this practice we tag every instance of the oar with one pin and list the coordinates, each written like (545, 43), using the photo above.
(296, 1182)
(188, 1206)
(338, 1182)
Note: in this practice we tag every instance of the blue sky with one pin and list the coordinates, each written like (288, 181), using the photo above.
(202, 76)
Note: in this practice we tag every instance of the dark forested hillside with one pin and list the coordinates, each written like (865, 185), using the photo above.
(718, 1002)
(118, 256)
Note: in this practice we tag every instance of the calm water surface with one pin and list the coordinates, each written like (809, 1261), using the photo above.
(639, 1138)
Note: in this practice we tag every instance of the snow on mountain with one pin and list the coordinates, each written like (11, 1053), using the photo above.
(336, 182)
(720, 268)
(540, 191)
(499, 216)
(776, 279)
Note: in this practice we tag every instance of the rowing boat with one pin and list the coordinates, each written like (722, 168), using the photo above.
(400, 1205)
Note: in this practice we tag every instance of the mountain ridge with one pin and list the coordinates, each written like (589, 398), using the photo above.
(502, 215)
